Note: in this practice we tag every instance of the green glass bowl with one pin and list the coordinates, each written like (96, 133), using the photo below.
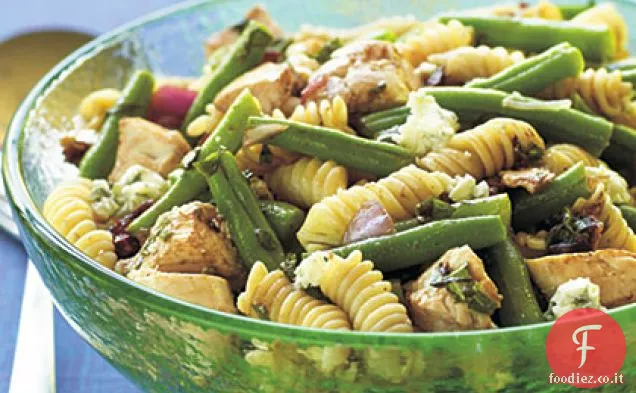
(165, 345)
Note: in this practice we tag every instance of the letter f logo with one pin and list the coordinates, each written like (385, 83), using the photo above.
(584, 347)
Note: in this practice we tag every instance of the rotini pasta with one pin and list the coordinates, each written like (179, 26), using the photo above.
(329, 113)
(627, 117)
(399, 193)
(429, 38)
(604, 92)
(485, 150)
(69, 211)
(283, 303)
(616, 233)
(359, 290)
(558, 158)
(205, 123)
(307, 181)
(467, 63)
(94, 106)
(606, 14)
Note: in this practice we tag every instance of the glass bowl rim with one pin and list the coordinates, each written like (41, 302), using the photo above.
(24, 207)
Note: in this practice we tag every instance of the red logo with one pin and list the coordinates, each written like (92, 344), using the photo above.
(586, 348)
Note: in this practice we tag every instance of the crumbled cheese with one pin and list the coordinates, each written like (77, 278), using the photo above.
(573, 294)
(310, 271)
(463, 189)
(466, 187)
(615, 185)
(137, 185)
(102, 200)
(428, 127)
(482, 190)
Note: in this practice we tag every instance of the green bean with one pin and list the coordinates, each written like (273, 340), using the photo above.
(422, 245)
(246, 53)
(351, 151)
(622, 65)
(555, 124)
(629, 214)
(579, 104)
(569, 11)
(534, 74)
(624, 136)
(528, 210)
(100, 158)
(496, 205)
(629, 76)
(284, 218)
(251, 233)
(507, 268)
(535, 35)
(622, 148)
(228, 134)
(382, 120)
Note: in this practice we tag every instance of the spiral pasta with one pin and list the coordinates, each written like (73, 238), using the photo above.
(627, 117)
(329, 113)
(326, 113)
(434, 37)
(604, 92)
(485, 150)
(307, 181)
(283, 303)
(616, 232)
(399, 193)
(94, 106)
(558, 158)
(467, 63)
(69, 211)
(606, 14)
(359, 290)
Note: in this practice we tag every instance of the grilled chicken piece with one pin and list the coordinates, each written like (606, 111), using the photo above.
(150, 145)
(229, 35)
(614, 271)
(272, 84)
(369, 75)
(202, 289)
(434, 308)
(192, 239)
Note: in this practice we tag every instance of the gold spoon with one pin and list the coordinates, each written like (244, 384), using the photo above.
(25, 59)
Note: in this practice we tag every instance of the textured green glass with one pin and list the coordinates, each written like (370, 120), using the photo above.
(165, 345)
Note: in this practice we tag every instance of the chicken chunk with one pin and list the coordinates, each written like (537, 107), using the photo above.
(369, 75)
(614, 271)
(434, 305)
(192, 239)
(229, 35)
(202, 289)
(272, 84)
(150, 145)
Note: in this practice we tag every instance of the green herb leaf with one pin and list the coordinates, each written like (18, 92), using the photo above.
(261, 311)
(327, 49)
